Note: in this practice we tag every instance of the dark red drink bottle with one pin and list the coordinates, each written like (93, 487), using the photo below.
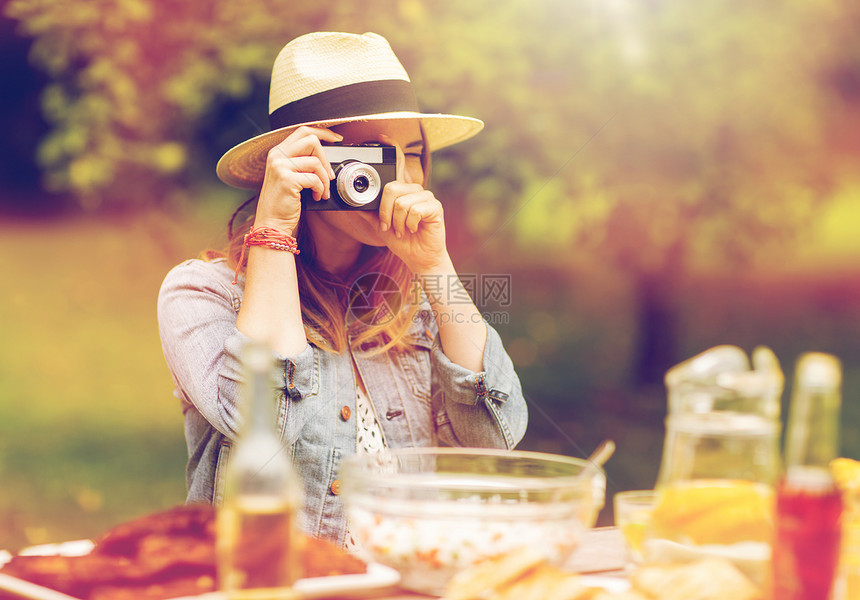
(808, 504)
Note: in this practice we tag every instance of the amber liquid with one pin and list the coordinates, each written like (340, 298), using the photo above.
(256, 550)
(729, 518)
(806, 546)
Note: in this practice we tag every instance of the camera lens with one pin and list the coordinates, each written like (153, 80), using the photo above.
(360, 184)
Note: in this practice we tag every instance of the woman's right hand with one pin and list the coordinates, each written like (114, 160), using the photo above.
(295, 164)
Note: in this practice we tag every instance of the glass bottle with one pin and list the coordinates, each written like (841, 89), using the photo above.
(808, 504)
(257, 533)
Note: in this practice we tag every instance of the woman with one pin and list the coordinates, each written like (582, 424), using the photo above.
(416, 369)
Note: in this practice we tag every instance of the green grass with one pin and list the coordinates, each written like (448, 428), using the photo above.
(90, 433)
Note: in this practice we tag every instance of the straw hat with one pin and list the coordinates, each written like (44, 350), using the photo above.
(324, 79)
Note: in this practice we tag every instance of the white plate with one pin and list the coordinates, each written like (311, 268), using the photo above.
(377, 578)
(25, 589)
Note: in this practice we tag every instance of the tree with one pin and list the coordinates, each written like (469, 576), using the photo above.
(133, 82)
(653, 136)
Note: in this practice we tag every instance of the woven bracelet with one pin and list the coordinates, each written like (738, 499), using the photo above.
(268, 237)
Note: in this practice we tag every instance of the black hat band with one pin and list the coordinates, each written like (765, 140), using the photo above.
(356, 99)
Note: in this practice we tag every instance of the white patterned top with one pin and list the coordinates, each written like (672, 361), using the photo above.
(369, 437)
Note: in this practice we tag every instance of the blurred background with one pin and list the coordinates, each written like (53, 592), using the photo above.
(656, 177)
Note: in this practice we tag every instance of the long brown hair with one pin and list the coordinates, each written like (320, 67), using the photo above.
(325, 298)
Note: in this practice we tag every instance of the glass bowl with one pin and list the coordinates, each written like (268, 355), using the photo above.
(430, 512)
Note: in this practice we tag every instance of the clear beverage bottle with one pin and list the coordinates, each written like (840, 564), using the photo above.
(257, 532)
(808, 503)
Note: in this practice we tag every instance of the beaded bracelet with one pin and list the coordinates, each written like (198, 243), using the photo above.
(269, 237)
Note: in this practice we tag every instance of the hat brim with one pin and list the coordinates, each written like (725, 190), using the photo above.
(244, 165)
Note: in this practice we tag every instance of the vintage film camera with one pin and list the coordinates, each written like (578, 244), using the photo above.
(361, 171)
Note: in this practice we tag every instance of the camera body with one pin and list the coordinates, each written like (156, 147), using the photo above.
(361, 172)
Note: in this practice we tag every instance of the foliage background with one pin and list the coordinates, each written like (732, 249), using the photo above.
(656, 177)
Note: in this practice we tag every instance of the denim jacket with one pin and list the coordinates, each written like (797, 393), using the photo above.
(420, 397)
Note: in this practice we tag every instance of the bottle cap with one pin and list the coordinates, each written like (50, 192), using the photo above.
(817, 370)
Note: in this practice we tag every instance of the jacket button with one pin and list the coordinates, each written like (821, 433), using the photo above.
(345, 413)
(335, 487)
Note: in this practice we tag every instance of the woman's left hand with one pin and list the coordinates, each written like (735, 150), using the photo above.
(412, 225)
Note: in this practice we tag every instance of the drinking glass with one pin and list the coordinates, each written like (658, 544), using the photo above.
(633, 517)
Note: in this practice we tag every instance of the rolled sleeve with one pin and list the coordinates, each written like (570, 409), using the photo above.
(300, 372)
(484, 409)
